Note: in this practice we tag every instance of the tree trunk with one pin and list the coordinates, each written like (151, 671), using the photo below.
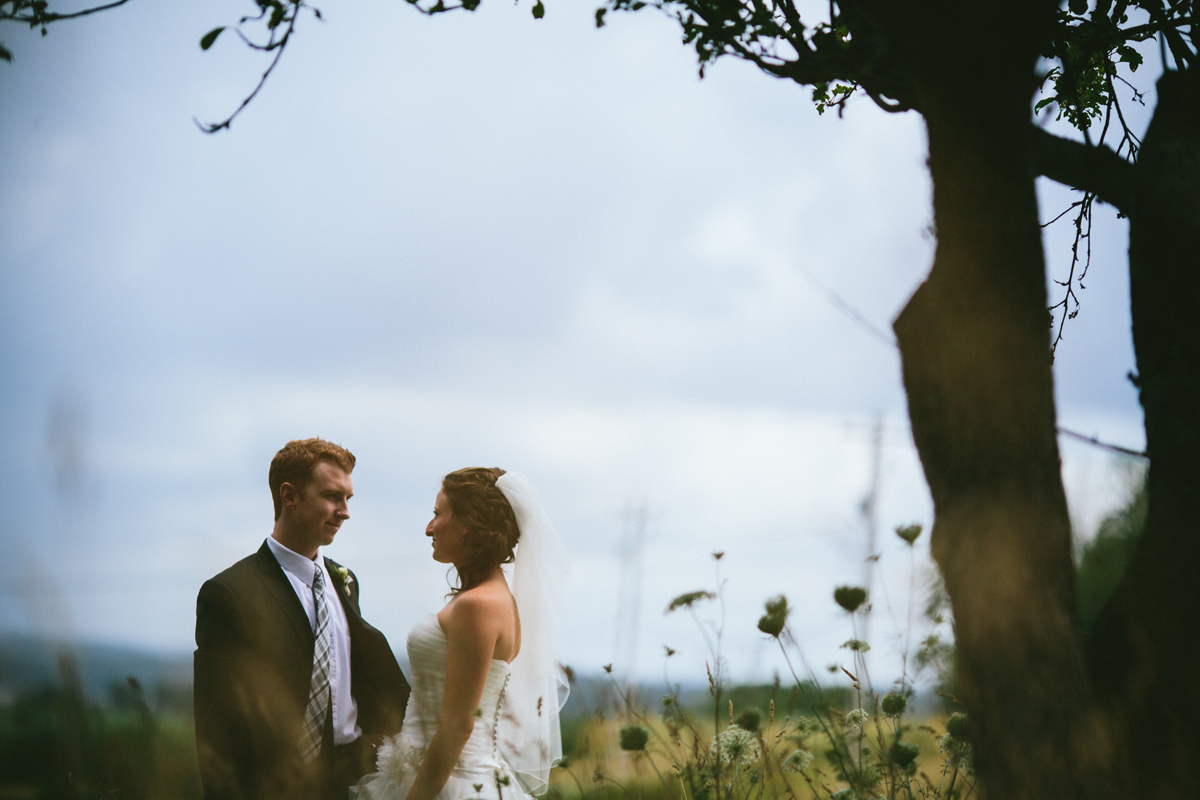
(1143, 650)
(975, 345)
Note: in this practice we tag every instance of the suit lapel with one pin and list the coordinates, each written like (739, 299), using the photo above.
(281, 589)
(339, 585)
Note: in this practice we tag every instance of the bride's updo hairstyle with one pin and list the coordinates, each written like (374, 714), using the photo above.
(491, 527)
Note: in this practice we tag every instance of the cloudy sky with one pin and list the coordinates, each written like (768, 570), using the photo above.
(472, 240)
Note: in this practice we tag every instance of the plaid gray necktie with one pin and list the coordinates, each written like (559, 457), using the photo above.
(318, 694)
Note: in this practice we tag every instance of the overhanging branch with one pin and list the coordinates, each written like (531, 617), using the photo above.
(1095, 169)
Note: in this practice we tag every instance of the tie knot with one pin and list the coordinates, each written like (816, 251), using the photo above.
(318, 577)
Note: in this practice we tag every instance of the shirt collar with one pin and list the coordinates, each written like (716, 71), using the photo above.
(293, 562)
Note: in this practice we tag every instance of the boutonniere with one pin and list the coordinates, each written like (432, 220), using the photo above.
(346, 577)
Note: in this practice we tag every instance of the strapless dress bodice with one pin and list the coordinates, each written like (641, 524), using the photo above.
(480, 768)
(427, 657)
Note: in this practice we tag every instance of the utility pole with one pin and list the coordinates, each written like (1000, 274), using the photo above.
(629, 598)
(869, 510)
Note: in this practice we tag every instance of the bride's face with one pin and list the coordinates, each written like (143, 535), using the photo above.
(446, 532)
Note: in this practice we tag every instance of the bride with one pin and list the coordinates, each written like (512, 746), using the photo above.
(482, 719)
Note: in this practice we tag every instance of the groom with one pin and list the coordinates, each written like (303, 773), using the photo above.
(290, 682)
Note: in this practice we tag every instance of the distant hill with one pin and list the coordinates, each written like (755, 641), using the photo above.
(27, 664)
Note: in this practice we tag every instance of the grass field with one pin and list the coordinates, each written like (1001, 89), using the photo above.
(597, 767)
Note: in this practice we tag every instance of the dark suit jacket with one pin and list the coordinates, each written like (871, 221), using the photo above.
(253, 669)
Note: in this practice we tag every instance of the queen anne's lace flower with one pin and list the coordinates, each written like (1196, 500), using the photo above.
(807, 726)
(797, 762)
(856, 719)
(737, 747)
(957, 752)
(396, 758)
(894, 704)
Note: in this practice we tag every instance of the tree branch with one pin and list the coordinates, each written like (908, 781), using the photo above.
(1095, 169)
(41, 16)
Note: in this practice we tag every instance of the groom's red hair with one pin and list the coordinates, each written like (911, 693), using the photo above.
(296, 460)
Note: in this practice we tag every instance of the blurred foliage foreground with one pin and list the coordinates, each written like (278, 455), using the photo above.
(808, 740)
(824, 742)
(798, 741)
(56, 743)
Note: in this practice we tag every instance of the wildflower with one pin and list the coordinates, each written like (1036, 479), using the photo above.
(850, 597)
(807, 726)
(737, 746)
(957, 753)
(955, 744)
(773, 621)
(957, 726)
(797, 762)
(857, 645)
(856, 719)
(688, 600)
(909, 533)
(894, 704)
(866, 776)
(903, 754)
(633, 738)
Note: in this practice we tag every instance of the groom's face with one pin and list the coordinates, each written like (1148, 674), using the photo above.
(321, 506)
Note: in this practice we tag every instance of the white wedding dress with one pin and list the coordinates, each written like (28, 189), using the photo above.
(481, 770)
(516, 740)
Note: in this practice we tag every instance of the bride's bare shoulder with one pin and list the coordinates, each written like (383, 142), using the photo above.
(482, 605)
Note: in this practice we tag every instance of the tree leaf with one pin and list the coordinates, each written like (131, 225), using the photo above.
(5, 54)
(210, 37)
(1130, 56)
(539, 10)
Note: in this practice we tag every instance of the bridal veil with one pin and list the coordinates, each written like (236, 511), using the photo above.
(528, 735)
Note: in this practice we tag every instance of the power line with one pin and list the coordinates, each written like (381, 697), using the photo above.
(856, 316)
(1092, 440)
(850, 311)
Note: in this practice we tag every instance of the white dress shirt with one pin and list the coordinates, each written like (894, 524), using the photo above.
(299, 571)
